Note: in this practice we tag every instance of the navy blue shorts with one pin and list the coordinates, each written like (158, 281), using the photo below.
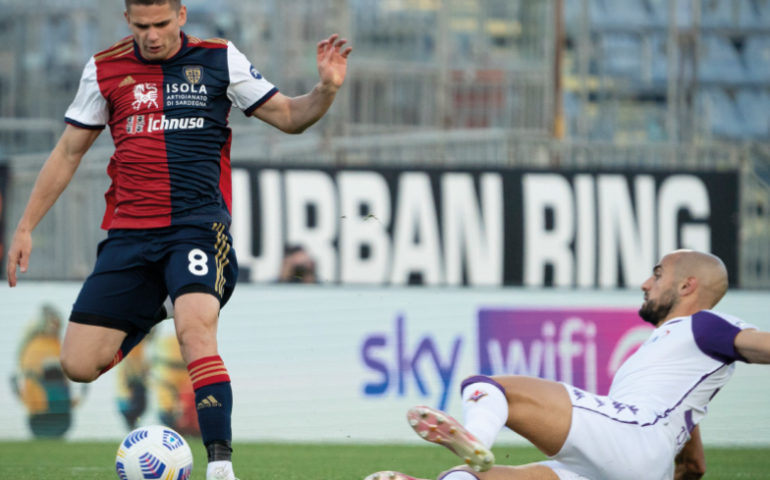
(136, 269)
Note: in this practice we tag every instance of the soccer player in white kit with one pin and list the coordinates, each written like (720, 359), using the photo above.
(646, 428)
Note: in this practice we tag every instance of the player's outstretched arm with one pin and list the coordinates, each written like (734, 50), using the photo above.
(51, 182)
(691, 461)
(295, 115)
(754, 346)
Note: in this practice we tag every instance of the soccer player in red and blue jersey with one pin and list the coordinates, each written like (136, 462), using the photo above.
(166, 97)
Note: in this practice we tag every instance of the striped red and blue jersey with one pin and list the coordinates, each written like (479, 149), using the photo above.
(169, 122)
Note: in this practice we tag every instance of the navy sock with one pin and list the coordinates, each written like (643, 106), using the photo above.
(214, 401)
(215, 409)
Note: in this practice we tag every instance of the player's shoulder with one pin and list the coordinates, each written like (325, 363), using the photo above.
(118, 50)
(195, 42)
(715, 317)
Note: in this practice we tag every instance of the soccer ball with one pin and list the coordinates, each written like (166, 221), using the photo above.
(154, 452)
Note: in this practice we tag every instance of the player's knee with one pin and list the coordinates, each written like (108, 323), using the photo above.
(195, 343)
(462, 472)
(517, 388)
(78, 371)
(194, 339)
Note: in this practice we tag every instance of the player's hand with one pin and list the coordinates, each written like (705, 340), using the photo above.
(332, 61)
(18, 255)
(687, 469)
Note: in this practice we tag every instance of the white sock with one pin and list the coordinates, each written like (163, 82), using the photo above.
(485, 410)
(169, 308)
(221, 468)
(459, 475)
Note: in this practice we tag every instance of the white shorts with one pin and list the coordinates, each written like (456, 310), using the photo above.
(563, 472)
(607, 442)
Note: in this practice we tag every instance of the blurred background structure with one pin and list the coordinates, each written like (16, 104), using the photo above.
(545, 84)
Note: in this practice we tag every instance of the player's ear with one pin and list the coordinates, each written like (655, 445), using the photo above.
(688, 287)
(182, 15)
(128, 20)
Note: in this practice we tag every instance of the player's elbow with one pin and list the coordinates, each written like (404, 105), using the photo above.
(696, 468)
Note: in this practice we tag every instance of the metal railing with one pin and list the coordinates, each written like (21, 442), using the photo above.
(755, 232)
(755, 218)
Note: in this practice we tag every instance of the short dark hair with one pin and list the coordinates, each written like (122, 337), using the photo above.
(175, 4)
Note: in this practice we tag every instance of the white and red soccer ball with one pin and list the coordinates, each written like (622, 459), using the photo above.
(154, 453)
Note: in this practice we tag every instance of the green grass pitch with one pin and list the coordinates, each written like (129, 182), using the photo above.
(45, 460)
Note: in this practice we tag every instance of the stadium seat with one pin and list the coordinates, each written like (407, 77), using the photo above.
(763, 12)
(720, 114)
(659, 58)
(573, 11)
(719, 13)
(754, 106)
(205, 6)
(626, 14)
(572, 17)
(622, 55)
(572, 111)
(756, 56)
(660, 12)
(751, 14)
(719, 61)
(715, 13)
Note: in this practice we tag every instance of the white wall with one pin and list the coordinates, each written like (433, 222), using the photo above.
(295, 354)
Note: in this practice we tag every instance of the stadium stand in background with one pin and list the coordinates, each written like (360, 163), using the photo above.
(624, 84)
(721, 67)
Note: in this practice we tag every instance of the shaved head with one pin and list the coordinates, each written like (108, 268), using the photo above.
(683, 283)
(708, 269)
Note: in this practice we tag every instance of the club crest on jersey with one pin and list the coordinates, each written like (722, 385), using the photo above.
(477, 395)
(145, 93)
(255, 73)
(193, 74)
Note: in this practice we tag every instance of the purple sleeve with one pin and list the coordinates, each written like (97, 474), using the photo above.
(715, 337)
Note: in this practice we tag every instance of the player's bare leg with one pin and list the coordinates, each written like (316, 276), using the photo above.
(88, 350)
(539, 410)
(196, 316)
(388, 475)
(532, 471)
(525, 472)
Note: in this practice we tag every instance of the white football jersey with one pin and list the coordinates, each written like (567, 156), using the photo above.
(674, 375)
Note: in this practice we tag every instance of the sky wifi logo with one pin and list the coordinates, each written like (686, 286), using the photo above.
(208, 402)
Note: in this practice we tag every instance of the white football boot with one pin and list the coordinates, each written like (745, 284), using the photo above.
(436, 426)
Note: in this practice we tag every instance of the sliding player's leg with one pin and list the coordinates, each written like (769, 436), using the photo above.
(533, 471)
(539, 410)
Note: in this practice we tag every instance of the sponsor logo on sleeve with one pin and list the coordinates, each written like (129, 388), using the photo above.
(255, 73)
